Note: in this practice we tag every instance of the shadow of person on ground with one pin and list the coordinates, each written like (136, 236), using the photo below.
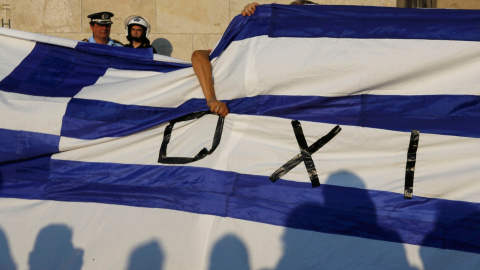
(148, 256)
(455, 241)
(54, 249)
(340, 231)
(6, 260)
(163, 46)
(229, 253)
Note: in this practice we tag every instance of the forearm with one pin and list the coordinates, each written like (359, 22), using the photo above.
(203, 69)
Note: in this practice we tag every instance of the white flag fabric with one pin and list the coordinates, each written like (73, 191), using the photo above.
(352, 143)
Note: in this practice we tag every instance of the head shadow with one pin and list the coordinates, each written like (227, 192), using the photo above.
(147, 256)
(339, 230)
(229, 253)
(6, 260)
(54, 249)
(163, 46)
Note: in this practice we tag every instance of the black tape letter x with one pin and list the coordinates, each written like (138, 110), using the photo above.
(305, 154)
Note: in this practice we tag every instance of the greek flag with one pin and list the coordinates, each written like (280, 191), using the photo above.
(352, 142)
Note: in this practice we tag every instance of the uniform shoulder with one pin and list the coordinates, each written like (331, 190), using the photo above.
(118, 42)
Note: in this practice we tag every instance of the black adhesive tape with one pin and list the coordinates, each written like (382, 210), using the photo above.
(305, 154)
(410, 167)
(162, 158)
(307, 158)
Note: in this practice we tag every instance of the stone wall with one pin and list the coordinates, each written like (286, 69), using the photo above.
(459, 4)
(187, 24)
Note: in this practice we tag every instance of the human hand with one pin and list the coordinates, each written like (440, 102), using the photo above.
(249, 9)
(218, 107)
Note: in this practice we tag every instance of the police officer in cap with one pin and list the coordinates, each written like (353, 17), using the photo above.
(138, 30)
(100, 23)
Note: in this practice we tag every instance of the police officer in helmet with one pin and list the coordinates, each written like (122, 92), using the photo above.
(138, 30)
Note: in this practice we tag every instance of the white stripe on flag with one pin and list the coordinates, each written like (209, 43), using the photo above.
(32, 113)
(145, 88)
(12, 53)
(338, 67)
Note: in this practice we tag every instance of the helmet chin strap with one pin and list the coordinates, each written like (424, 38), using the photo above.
(137, 39)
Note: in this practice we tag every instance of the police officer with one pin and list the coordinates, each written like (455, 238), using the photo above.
(138, 30)
(100, 23)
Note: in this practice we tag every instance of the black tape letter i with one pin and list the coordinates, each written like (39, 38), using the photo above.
(411, 160)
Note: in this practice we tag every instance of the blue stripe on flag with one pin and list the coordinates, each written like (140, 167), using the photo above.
(128, 58)
(18, 145)
(241, 28)
(315, 21)
(25, 179)
(122, 52)
(374, 22)
(456, 115)
(330, 209)
(55, 71)
(93, 119)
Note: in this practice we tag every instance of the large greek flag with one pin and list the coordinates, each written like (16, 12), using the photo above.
(353, 142)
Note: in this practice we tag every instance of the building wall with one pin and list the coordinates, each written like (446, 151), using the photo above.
(187, 24)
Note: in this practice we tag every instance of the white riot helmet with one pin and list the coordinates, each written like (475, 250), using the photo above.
(137, 20)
